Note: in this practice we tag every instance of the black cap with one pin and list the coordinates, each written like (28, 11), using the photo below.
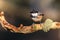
(33, 11)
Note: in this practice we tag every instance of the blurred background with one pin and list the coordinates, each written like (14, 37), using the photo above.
(18, 12)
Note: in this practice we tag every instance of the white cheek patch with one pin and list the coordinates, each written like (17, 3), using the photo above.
(34, 14)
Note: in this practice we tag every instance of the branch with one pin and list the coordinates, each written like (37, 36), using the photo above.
(12, 28)
(24, 29)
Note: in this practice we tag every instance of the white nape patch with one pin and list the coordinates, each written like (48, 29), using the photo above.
(34, 14)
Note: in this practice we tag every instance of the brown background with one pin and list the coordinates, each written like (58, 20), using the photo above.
(17, 12)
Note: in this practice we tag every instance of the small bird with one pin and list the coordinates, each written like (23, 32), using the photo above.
(36, 16)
